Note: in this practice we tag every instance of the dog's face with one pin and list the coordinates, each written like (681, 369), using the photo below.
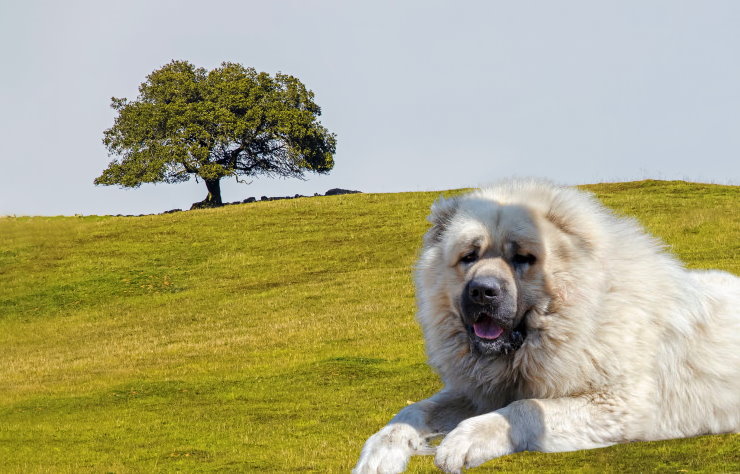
(492, 258)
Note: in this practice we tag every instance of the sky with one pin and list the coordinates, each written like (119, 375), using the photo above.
(422, 95)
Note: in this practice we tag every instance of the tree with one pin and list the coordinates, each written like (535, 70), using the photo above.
(231, 121)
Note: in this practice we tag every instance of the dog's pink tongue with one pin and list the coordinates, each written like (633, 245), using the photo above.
(485, 328)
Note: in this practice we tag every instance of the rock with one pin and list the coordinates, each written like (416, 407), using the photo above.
(205, 205)
(171, 211)
(338, 191)
(249, 199)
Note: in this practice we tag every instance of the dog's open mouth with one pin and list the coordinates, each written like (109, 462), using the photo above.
(489, 337)
(487, 329)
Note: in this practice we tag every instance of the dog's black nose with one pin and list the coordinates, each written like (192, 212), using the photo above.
(484, 290)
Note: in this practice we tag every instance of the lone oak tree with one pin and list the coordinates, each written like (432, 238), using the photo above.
(231, 121)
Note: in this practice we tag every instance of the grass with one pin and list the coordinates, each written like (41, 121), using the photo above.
(269, 337)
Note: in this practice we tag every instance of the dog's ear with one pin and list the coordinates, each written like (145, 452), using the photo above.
(442, 212)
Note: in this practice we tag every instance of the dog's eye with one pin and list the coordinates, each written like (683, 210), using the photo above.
(469, 257)
(527, 259)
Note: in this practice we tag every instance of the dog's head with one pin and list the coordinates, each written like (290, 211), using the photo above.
(491, 256)
(496, 261)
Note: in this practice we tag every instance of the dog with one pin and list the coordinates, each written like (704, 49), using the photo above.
(557, 325)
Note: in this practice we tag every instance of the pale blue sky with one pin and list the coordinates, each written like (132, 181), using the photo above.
(423, 95)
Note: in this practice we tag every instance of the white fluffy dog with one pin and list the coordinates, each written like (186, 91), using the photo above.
(556, 326)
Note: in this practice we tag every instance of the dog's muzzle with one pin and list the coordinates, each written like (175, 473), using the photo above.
(488, 314)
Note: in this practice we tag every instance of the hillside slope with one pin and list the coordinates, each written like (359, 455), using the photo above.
(270, 336)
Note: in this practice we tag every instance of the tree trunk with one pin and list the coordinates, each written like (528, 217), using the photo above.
(213, 199)
(214, 192)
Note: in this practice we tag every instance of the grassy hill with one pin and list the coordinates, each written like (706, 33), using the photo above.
(272, 336)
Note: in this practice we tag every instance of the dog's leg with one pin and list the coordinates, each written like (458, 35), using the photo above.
(389, 450)
(561, 424)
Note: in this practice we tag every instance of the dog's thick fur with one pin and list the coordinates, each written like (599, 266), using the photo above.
(621, 342)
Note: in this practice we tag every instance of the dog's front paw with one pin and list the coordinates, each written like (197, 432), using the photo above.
(388, 451)
(474, 441)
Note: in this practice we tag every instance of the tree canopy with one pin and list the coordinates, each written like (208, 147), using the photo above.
(230, 121)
